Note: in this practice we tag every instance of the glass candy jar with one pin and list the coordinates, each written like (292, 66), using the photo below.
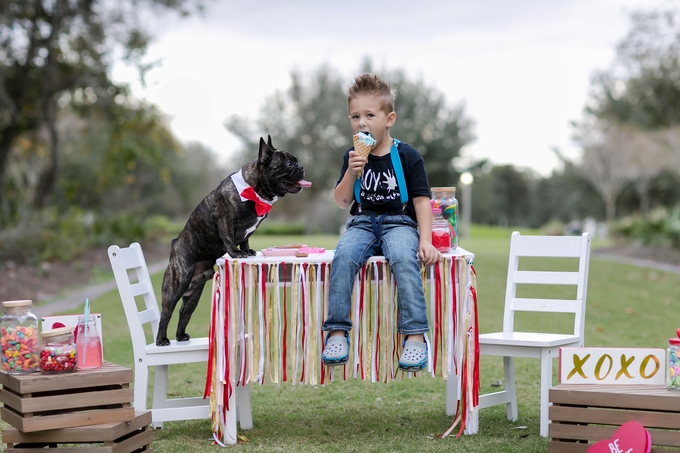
(673, 361)
(58, 353)
(441, 235)
(19, 328)
(444, 198)
(88, 343)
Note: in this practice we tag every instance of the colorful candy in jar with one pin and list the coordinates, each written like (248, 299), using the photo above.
(673, 371)
(444, 198)
(58, 353)
(19, 338)
(441, 235)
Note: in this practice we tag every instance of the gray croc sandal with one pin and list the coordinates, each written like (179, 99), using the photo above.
(413, 356)
(336, 351)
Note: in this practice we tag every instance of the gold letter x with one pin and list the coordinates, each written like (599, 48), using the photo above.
(578, 363)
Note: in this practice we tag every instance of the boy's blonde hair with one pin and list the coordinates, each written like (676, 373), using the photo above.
(372, 84)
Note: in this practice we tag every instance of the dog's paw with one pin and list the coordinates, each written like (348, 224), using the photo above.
(184, 337)
(162, 342)
(251, 252)
(237, 254)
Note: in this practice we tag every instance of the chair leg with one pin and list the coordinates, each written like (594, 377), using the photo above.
(546, 383)
(244, 412)
(509, 371)
(141, 382)
(160, 390)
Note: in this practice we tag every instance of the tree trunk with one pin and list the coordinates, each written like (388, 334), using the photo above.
(642, 188)
(6, 139)
(49, 176)
(49, 107)
(610, 205)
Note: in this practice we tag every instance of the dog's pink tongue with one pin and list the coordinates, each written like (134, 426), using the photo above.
(303, 183)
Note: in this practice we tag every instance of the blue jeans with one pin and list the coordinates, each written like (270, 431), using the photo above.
(400, 240)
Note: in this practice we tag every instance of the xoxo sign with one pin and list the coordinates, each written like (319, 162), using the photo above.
(612, 366)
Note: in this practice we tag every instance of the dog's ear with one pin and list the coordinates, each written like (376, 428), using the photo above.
(265, 154)
(269, 142)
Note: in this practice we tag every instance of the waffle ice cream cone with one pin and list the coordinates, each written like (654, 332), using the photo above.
(363, 144)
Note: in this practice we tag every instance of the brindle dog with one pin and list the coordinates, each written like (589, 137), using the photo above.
(222, 223)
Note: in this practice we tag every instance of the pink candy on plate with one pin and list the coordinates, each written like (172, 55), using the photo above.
(312, 250)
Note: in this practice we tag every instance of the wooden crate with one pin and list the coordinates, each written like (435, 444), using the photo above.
(38, 402)
(584, 414)
(121, 437)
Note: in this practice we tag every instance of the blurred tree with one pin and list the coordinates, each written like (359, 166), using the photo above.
(502, 196)
(134, 165)
(57, 52)
(637, 99)
(606, 160)
(564, 196)
(426, 122)
(511, 193)
(629, 126)
(642, 87)
(309, 119)
(650, 156)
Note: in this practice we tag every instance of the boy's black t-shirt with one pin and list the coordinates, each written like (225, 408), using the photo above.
(379, 188)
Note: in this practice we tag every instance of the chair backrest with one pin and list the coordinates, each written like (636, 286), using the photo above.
(547, 247)
(128, 263)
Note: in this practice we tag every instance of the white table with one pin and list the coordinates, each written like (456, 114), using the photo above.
(277, 306)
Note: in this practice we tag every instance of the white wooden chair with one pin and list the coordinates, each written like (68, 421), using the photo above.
(545, 346)
(149, 355)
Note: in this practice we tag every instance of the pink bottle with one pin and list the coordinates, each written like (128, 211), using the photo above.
(88, 344)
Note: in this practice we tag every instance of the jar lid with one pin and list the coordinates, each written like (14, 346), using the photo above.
(17, 303)
(443, 189)
(57, 332)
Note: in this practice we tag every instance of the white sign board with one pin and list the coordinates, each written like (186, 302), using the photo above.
(612, 366)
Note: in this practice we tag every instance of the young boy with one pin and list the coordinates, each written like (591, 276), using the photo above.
(390, 215)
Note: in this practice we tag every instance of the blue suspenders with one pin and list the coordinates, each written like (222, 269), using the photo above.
(376, 223)
(399, 173)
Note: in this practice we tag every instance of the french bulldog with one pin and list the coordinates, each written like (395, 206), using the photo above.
(222, 223)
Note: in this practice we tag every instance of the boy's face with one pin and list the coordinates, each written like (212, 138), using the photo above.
(366, 115)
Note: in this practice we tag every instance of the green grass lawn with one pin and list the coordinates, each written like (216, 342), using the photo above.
(627, 306)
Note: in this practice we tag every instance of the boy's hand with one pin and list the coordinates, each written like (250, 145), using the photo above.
(427, 253)
(356, 163)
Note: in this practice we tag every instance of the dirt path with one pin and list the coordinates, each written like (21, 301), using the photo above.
(76, 299)
(640, 262)
(63, 285)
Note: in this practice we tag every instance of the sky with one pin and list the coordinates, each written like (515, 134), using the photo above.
(522, 67)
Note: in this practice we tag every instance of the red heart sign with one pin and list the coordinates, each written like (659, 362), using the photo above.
(631, 437)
